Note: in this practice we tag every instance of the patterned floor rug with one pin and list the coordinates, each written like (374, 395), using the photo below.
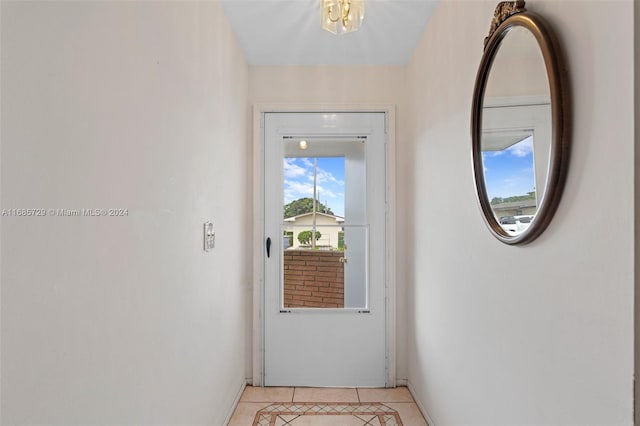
(329, 414)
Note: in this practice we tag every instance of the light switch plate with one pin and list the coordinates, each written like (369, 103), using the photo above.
(209, 236)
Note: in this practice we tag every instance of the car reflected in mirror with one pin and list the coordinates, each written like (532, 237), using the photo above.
(515, 225)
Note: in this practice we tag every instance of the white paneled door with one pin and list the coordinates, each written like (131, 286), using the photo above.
(325, 270)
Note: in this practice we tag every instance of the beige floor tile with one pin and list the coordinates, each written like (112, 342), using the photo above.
(369, 420)
(400, 394)
(245, 413)
(409, 413)
(327, 421)
(285, 420)
(257, 394)
(325, 395)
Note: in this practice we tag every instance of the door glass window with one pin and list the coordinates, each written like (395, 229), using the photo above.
(324, 229)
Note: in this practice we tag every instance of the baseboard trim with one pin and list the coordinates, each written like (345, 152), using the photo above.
(243, 385)
(421, 407)
(402, 382)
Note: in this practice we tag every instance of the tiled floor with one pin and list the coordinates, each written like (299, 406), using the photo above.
(326, 406)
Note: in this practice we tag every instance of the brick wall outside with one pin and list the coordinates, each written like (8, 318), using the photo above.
(313, 279)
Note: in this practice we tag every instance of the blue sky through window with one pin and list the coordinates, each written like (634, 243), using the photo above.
(298, 181)
(510, 172)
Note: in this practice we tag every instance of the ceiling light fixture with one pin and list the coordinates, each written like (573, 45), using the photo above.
(342, 16)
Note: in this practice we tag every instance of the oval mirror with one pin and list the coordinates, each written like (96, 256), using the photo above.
(520, 125)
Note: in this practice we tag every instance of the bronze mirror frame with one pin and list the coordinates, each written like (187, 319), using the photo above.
(508, 15)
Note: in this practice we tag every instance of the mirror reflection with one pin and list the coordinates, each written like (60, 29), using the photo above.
(516, 131)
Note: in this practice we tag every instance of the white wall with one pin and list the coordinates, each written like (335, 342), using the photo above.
(122, 320)
(541, 334)
(636, 46)
(335, 85)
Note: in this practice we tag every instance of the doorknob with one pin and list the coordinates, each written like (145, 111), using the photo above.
(343, 260)
(268, 247)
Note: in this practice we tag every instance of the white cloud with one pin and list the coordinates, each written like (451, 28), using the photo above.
(298, 183)
(292, 170)
(522, 149)
(294, 190)
(510, 182)
(324, 176)
(323, 192)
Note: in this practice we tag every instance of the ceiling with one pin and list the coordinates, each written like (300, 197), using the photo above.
(289, 32)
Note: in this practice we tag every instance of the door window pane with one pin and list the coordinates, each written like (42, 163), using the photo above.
(324, 259)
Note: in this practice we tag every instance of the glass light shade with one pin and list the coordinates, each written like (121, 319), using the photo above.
(342, 16)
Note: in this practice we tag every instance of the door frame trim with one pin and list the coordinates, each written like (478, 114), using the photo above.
(257, 224)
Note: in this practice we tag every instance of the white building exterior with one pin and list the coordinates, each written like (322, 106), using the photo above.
(328, 225)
